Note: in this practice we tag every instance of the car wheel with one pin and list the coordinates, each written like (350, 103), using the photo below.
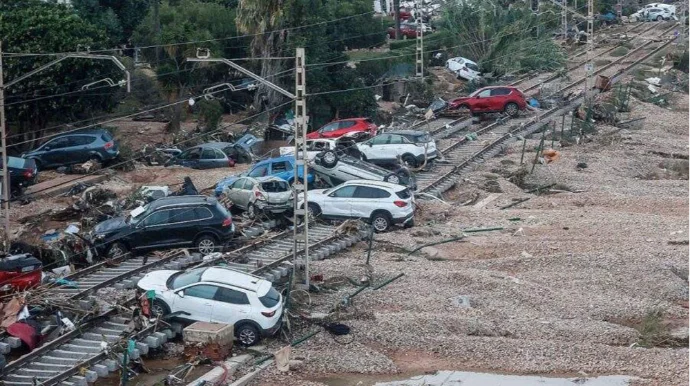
(206, 244)
(659, 18)
(410, 161)
(248, 335)
(464, 109)
(159, 308)
(38, 163)
(117, 250)
(393, 179)
(329, 159)
(251, 211)
(313, 210)
(381, 221)
(511, 109)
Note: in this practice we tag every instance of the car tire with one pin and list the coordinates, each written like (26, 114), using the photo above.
(38, 163)
(313, 210)
(511, 109)
(251, 211)
(659, 18)
(410, 161)
(247, 335)
(381, 221)
(329, 159)
(159, 308)
(464, 109)
(206, 244)
(117, 250)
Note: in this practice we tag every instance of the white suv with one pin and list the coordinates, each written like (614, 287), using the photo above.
(218, 294)
(383, 204)
(409, 145)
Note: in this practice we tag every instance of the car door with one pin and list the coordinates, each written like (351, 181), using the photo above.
(182, 227)
(365, 200)
(260, 170)
(329, 131)
(197, 300)
(230, 306)
(234, 192)
(396, 147)
(151, 232)
(190, 158)
(245, 195)
(481, 101)
(375, 148)
(499, 98)
(344, 127)
(337, 203)
(54, 151)
(79, 150)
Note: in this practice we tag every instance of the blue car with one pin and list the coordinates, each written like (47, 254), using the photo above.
(281, 167)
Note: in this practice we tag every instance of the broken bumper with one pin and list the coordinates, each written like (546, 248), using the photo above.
(429, 156)
(404, 220)
(274, 208)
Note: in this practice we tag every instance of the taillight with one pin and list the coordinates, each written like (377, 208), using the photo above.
(108, 145)
(227, 222)
(28, 174)
(400, 204)
(268, 314)
(259, 195)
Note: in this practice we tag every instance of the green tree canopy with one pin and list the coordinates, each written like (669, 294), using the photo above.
(34, 26)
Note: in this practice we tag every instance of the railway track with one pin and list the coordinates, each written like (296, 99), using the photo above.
(78, 358)
(467, 153)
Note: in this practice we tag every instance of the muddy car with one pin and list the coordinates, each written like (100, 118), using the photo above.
(334, 169)
(260, 195)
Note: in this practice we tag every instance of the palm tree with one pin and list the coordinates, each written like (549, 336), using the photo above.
(261, 18)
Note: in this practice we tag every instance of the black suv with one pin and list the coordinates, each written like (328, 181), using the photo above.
(74, 148)
(186, 221)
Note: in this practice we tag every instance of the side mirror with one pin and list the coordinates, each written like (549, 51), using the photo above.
(180, 293)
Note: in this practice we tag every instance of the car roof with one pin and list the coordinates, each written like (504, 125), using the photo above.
(348, 119)
(82, 131)
(228, 276)
(215, 145)
(267, 179)
(376, 184)
(182, 201)
(277, 159)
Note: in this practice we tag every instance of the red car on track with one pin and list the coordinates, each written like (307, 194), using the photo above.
(350, 127)
(492, 99)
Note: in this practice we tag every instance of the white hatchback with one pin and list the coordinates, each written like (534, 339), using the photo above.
(463, 68)
(218, 294)
(383, 204)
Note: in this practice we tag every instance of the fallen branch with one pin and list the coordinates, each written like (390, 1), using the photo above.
(437, 243)
(514, 203)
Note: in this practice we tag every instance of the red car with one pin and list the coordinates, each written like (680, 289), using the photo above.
(350, 127)
(492, 99)
(408, 31)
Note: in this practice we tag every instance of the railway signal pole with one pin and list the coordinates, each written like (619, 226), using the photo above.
(300, 184)
(419, 53)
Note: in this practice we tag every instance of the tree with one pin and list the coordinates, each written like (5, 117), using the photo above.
(34, 26)
(119, 18)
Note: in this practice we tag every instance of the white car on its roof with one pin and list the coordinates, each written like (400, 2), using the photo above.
(219, 295)
(383, 204)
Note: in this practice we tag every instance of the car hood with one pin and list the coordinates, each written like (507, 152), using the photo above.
(155, 280)
(460, 99)
(111, 225)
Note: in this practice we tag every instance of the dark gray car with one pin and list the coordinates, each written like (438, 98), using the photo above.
(74, 148)
(206, 156)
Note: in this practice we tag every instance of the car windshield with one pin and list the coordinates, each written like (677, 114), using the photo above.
(474, 94)
(14, 162)
(472, 66)
(181, 279)
(275, 186)
(271, 298)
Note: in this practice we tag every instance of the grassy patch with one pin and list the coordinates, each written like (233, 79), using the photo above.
(652, 330)
(364, 55)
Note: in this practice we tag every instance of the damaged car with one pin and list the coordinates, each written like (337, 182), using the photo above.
(199, 222)
(358, 128)
(260, 195)
(334, 169)
(281, 167)
(413, 148)
(382, 204)
(217, 295)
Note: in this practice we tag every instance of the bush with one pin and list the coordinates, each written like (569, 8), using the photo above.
(620, 51)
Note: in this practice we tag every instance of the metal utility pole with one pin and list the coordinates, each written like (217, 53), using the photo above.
(3, 129)
(396, 14)
(3, 150)
(619, 10)
(157, 28)
(564, 20)
(589, 67)
(419, 53)
(301, 234)
(301, 142)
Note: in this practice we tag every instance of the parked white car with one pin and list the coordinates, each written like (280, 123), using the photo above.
(267, 195)
(383, 204)
(220, 295)
(463, 68)
(410, 146)
(657, 14)
(671, 8)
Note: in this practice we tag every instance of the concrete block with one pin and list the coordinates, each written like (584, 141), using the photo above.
(129, 284)
(78, 381)
(152, 341)
(119, 286)
(111, 364)
(202, 332)
(13, 341)
(169, 333)
(101, 370)
(85, 304)
(90, 376)
(142, 347)
(177, 327)
(134, 354)
(5, 348)
(163, 338)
